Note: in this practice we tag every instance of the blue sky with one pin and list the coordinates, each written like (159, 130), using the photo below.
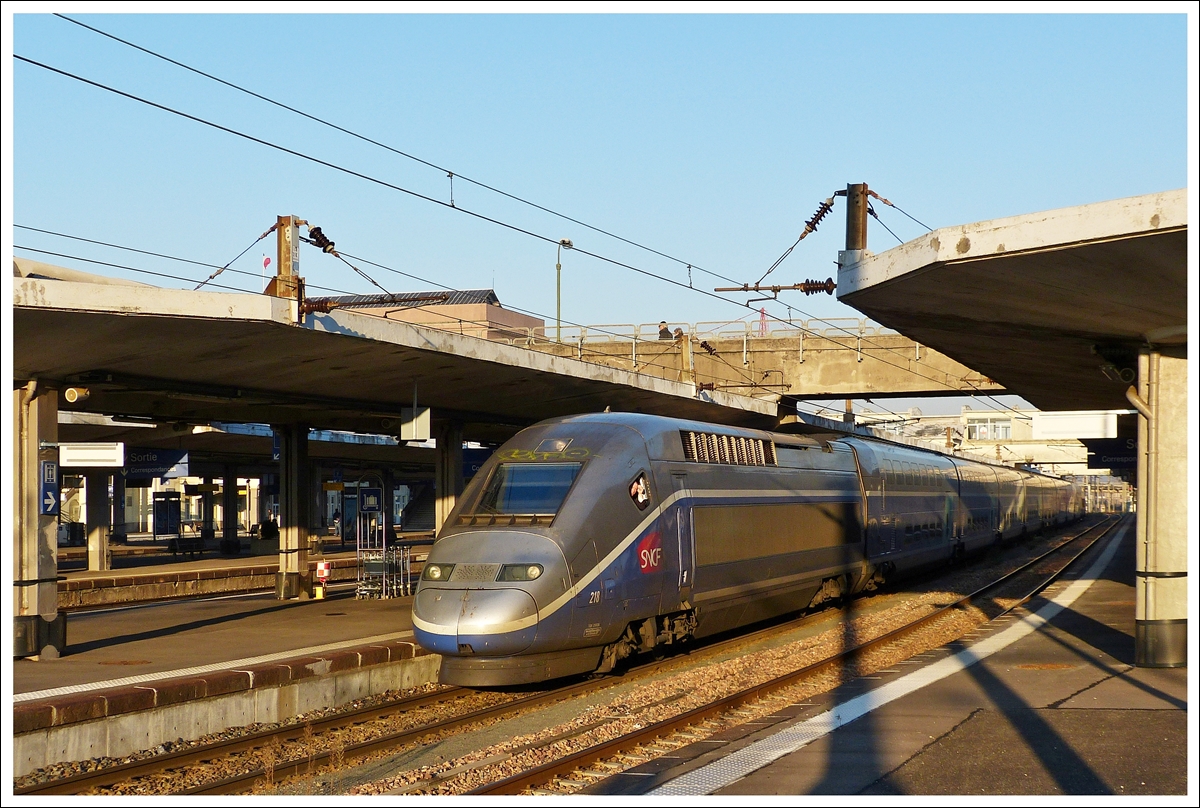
(708, 137)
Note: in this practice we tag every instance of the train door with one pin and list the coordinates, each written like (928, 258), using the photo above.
(683, 535)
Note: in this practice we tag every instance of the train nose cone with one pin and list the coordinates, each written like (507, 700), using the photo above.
(495, 622)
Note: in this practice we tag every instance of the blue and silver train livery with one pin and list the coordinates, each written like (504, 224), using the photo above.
(587, 539)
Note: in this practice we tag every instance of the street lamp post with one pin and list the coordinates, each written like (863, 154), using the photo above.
(562, 242)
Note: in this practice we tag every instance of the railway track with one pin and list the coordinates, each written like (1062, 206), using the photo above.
(287, 766)
(575, 772)
(262, 760)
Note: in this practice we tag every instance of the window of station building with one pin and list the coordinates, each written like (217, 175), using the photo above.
(988, 428)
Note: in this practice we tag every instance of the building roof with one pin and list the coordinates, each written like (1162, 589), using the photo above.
(453, 297)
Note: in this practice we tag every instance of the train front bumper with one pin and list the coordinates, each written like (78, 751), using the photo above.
(469, 622)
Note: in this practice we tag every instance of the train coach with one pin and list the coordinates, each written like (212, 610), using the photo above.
(586, 539)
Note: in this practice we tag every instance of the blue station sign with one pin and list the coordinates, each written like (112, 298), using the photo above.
(370, 500)
(1111, 453)
(162, 463)
(48, 502)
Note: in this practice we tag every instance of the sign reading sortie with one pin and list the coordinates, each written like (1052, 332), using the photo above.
(156, 463)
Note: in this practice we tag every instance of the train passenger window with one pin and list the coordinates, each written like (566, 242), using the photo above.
(528, 488)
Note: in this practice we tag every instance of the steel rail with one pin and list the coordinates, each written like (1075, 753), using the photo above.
(519, 783)
(238, 784)
(109, 775)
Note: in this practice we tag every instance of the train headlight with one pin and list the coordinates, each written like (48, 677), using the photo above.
(437, 572)
(520, 572)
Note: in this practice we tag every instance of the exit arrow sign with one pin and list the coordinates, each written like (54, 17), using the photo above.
(49, 500)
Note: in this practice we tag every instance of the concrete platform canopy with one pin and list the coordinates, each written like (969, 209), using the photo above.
(1055, 306)
(1081, 308)
(197, 357)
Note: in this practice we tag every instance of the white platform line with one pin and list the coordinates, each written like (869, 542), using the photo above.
(718, 774)
(233, 664)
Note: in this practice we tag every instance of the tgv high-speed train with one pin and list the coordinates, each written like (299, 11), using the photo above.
(586, 539)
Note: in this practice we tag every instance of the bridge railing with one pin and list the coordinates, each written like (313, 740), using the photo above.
(830, 327)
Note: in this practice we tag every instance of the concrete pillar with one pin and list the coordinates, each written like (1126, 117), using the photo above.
(389, 503)
(316, 510)
(39, 629)
(99, 518)
(448, 474)
(263, 499)
(1160, 628)
(230, 543)
(206, 509)
(119, 533)
(295, 503)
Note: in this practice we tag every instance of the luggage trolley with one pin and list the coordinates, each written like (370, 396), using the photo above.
(378, 567)
(404, 546)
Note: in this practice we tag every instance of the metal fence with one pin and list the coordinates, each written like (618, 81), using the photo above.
(831, 327)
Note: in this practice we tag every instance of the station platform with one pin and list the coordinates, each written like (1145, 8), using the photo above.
(147, 570)
(1044, 701)
(144, 666)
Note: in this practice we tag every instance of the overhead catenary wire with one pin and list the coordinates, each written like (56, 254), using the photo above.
(122, 266)
(520, 310)
(449, 173)
(875, 216)
(239, 255)
(337, 254)
(891, 204)
(429, 308)
(204, 264)
(375, 180)
(810, 226)
(427, 198)
(460, 321)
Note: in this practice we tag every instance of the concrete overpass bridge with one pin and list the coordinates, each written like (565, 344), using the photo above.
(814, 359)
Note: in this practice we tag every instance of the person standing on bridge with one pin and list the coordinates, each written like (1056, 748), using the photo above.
(664, 330)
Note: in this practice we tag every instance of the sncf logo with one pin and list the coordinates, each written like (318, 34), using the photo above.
(649, 553)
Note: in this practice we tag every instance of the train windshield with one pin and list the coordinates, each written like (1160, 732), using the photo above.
(528, 488)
